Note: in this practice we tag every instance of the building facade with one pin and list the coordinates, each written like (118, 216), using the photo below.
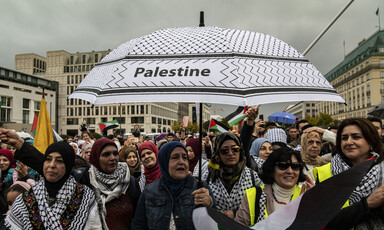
(69, 69)
(302, 109)
(21, 94)
(359, 79)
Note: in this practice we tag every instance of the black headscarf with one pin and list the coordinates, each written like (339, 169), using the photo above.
(66, 151)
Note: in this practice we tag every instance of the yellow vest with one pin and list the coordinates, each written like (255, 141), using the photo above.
(251, 197)
(324, 172)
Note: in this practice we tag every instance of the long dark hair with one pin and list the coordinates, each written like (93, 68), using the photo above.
(369, 132)
(280, 155)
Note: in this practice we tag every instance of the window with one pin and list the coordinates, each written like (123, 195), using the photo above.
(5, 114)
(26, 103)
(71, 62)
(153, 120)
(381, 62)
(96, 57)
(132, 109)
(142, 109)
(368, 77)
(83, 59)
(138, 120)
(36, 105)
(90, 121)
(120, 120)
(72, 121)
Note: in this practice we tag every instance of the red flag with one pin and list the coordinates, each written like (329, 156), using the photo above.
(34, 124)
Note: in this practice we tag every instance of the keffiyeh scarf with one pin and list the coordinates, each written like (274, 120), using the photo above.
(371, 181)
(74, 208)
(110, 186)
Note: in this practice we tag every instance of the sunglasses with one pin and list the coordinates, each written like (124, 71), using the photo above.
(234, 149)
(295, 166)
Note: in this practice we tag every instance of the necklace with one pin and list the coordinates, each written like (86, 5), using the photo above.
(274, 197)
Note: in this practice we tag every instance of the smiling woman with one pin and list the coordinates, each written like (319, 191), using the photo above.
(58, 201)
(281, 173)
(148, 154)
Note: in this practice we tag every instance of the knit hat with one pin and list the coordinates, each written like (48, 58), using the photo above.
(97, 147)
(276, 135)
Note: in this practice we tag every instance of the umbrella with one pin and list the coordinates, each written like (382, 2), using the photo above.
(283, 117)
(377, 111)
(162, 136)
(206, 65)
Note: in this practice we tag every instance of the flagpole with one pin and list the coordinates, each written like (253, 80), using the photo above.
(378, 14)
(327, 27)
(200, 182)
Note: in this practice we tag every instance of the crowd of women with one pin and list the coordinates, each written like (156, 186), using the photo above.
(102, 186)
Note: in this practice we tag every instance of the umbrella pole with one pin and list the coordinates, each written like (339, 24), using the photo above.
(200, 183)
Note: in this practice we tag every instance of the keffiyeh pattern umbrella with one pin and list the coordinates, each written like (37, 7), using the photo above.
(205, 64)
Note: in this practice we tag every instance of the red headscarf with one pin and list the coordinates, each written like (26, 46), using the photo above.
(8, 154)
(97, 147)
(154, 173)
(195, 145)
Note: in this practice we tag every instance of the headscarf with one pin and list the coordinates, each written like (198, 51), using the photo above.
(6, 175)
(78, 150)
(315, 161)
(195, 145)
(153, 173)
(256, 146)
(68, 154)
(137, 167)
(89, 146)
(217, 169)
(97, 147)
(172, 184)
(8, 154)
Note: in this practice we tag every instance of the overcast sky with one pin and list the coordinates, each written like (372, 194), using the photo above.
(39, 26)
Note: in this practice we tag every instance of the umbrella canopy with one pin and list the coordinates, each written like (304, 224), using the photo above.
(163, 136)
(283, 117)
(377, 111)
(206, 65)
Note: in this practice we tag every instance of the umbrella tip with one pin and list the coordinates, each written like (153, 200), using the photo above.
(201, 19)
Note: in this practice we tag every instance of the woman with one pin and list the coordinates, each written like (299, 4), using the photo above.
(75, 148)
(168, 202)
(193, 148)
(87, 137)
(129, 155)
(260, 150)
(87, 152)
(282, 172)
(148, 154)
(356, 141)
(310, 152)
(115, 189)
(228, 177)
(6, 177)
(57, 201)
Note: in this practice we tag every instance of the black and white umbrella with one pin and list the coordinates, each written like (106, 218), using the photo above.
(377, 111)
(206, 65)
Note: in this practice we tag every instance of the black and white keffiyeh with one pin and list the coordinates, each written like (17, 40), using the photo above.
(142, 182)
(371, 181)
(18, 216)
(110, 186)
(225, 201)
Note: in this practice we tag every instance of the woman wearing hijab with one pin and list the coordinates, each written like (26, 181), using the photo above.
(57, 201)
(260, 150)
(75, 148)
(7, 168)
(148, 154)
(129, 155)
(115, 189)
(168, 202)
(193, 148)
(228, 176)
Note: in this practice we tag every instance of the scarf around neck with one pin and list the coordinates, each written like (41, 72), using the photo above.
(195, 145)
(151, 174)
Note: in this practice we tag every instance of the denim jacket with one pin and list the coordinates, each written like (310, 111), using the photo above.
(156, 205)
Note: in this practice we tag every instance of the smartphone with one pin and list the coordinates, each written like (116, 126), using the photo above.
(261, 117)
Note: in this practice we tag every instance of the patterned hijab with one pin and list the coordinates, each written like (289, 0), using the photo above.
(217, 169)
(195, 145)
(151, 174)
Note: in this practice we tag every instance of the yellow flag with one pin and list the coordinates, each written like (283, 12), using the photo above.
(44, 135)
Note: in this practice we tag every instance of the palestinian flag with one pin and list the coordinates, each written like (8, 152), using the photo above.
(312, 210)
(34, 124)
(104, 126)
(237, 117)
(216, 125)
(56, 136)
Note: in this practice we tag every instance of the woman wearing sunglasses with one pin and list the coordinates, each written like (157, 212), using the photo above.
(282, 172)
(356, 141)
(228, 177)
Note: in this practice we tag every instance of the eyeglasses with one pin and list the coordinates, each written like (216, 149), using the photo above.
(234, 149)
(295, 166)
